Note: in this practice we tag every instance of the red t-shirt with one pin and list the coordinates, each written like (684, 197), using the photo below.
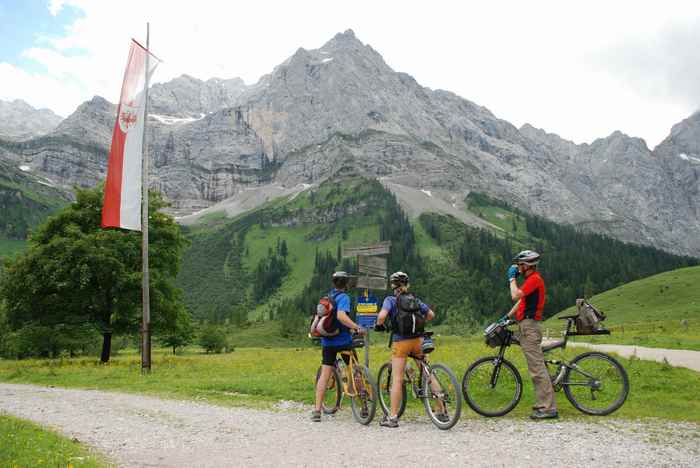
(532, 302)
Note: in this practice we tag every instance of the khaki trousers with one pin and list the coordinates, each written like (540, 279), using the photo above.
(531, 343)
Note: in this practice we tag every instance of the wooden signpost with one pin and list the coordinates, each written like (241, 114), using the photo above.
(375, 266)
(380, 248)
(371, 282)
(372, 269)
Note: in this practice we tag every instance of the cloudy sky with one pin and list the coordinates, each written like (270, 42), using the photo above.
(579, 71)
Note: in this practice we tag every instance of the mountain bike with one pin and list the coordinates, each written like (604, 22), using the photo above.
(354, 381)
(435, 384)
(595, 383)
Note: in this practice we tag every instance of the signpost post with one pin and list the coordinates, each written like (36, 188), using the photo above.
(367, 312)
(372, 269)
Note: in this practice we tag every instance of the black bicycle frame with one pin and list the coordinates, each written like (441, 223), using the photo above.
(497, 367)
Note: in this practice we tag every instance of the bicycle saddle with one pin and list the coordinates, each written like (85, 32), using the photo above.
(427, 334)
(553, 345)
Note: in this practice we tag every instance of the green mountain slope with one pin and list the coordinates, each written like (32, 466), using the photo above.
(659, 311)
(669, 296)
(274, 262)
(220, 272)
(25, 202)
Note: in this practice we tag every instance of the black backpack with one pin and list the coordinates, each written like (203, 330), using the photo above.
(408, 321)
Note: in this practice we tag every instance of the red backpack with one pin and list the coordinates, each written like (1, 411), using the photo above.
(325, 321)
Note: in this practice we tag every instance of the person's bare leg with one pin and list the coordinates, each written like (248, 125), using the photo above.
(398, 364)
(321, 385)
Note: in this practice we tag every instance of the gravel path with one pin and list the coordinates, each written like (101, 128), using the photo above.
(138, 431)
(675, 357)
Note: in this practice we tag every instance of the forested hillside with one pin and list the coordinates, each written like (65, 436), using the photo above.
(24, 203)
(274, 263)
(245, 267)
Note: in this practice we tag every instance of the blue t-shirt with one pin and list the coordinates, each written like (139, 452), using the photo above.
(390, 305)
(342, 303)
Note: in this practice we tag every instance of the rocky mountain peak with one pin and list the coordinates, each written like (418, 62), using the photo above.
(340, 108)
(190, 97)
(21, 121)
(347, 36)
(91, 123)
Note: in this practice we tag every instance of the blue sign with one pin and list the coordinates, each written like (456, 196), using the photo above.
(367, 311)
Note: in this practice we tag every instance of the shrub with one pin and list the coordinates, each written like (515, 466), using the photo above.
(213, 339)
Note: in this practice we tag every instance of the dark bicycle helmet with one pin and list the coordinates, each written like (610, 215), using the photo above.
(528, 257)
(340, 279)
(398, 279)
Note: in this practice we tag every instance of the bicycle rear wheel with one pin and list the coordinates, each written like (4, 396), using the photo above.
(596, 383)
(334, 392)
(384, 379)
(364, 403)
(441, 396)
(492, 390)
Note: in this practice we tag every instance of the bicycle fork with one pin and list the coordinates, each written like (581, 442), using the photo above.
(497, 367)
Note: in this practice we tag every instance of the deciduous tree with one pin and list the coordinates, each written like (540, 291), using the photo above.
(76, 273)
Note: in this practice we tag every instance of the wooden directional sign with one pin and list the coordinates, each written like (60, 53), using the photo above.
(371, 282)
(380, 248)
(372, 266)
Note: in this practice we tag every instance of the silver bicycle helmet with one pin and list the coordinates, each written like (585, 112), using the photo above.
(398, 279)
(528, 257)
(340, 279)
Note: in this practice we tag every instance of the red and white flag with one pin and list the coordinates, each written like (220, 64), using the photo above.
(122, 202)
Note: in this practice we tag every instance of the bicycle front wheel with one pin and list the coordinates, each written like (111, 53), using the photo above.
(334, 392)
(364, 403)
(596, 383)
(492, 389)
(385, 382)
(441, 396)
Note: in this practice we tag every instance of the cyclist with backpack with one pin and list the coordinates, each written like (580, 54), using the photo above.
(407, 315)
(527, 311)
(333, 325)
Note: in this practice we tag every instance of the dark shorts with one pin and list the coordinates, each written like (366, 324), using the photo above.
(330, 352)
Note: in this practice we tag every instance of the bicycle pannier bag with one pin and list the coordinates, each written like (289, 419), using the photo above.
(496, 334)
(408, 321)
(589, 318)
(325, 322)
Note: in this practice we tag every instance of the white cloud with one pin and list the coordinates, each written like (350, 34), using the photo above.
(39, 90)
(527, 62)
(55, 6)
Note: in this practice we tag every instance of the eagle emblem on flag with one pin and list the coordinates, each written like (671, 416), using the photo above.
(128, 116)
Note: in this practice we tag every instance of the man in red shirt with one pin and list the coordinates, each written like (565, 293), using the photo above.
(529, 302)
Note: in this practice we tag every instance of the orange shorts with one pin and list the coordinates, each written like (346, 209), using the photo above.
(406, 348)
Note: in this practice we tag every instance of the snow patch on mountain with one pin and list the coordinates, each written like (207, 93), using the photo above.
(168, 120)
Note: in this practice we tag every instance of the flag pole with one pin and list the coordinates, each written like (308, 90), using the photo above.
(146, 322)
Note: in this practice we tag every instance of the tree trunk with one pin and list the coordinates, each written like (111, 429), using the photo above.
(106, 346)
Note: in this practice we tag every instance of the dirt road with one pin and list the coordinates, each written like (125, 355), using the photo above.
(138, 431)
(675, 357)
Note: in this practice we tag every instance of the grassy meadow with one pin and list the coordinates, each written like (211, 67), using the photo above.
(261, 377)
(661, 311)
(25, 444)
